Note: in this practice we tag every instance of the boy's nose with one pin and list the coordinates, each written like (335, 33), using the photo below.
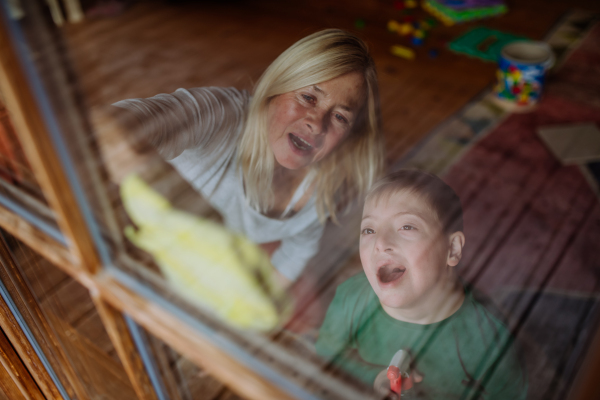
(384, 242)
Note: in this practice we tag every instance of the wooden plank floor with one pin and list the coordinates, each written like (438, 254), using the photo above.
(158, 47)
(533, 227)
(530, 231)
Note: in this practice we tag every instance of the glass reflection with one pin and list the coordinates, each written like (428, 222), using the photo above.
(277, 165)
(408, 324)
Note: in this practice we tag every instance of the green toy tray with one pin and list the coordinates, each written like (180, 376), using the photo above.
(467, 14)
(483, 43)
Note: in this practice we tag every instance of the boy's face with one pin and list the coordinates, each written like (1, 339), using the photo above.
(403, 250)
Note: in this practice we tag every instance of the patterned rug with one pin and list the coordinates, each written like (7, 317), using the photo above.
(447, 143)
(532, 225)
(438, 153)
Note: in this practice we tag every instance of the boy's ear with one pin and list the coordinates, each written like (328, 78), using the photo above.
(457, 241)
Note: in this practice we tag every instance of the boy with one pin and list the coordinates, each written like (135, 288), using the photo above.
(410, 298)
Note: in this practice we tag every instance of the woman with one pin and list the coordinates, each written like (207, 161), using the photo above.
(278, 163)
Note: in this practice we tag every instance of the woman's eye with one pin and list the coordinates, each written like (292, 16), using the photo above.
(308, 98)
(367, 231)
(408, 228)
(341, 118)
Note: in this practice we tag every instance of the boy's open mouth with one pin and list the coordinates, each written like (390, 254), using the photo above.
(300, 143)
(387, 274)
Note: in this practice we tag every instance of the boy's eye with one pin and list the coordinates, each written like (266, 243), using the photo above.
(367, 231)
(408, 228)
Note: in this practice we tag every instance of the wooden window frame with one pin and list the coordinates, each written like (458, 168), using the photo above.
(82, 261)
(15, 380)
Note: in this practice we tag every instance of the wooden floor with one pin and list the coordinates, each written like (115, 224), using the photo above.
(533, 226)
(532, 229)
(156, 47)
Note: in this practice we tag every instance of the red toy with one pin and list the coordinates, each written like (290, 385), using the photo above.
(398, 372)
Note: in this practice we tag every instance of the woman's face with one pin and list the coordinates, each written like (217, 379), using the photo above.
(307, 124)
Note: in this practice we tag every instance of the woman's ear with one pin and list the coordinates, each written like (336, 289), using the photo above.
(457, 242)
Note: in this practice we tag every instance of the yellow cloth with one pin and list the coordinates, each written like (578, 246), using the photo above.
(205, 262)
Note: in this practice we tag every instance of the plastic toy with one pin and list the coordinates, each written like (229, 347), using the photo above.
(410, 4)
(521, 72)
(416, 41)
(464, 4)
(398, 372)
(405, 29)
(359, 23)
(418, 30)
(449, 15)
(393, 26)
(403, 52)
(483, 43)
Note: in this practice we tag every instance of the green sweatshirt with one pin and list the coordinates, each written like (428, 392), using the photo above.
(469, 355)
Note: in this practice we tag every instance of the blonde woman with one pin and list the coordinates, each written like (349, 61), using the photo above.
(278, 163)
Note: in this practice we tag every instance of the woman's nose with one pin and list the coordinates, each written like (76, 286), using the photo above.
(316, 121)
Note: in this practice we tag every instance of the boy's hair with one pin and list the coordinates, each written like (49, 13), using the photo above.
(439, 196)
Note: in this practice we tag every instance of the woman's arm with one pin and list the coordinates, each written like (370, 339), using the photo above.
(206, 118)
(122, 145)
(168, 124)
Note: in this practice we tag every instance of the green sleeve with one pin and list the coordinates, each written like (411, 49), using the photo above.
(336, 343)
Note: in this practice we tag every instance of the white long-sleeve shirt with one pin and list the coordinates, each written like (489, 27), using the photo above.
(198, 130)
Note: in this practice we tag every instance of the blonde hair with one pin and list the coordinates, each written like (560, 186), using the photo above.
(351, 168)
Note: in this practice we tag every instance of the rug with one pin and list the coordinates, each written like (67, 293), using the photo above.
(532, 225)
(448, 142)
(437, 153)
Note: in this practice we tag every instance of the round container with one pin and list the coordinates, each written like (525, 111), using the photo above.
(521, 72)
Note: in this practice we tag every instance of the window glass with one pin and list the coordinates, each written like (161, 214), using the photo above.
(234, 199)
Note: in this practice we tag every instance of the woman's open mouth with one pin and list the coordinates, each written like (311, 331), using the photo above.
(300, 143)
(387, 274)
